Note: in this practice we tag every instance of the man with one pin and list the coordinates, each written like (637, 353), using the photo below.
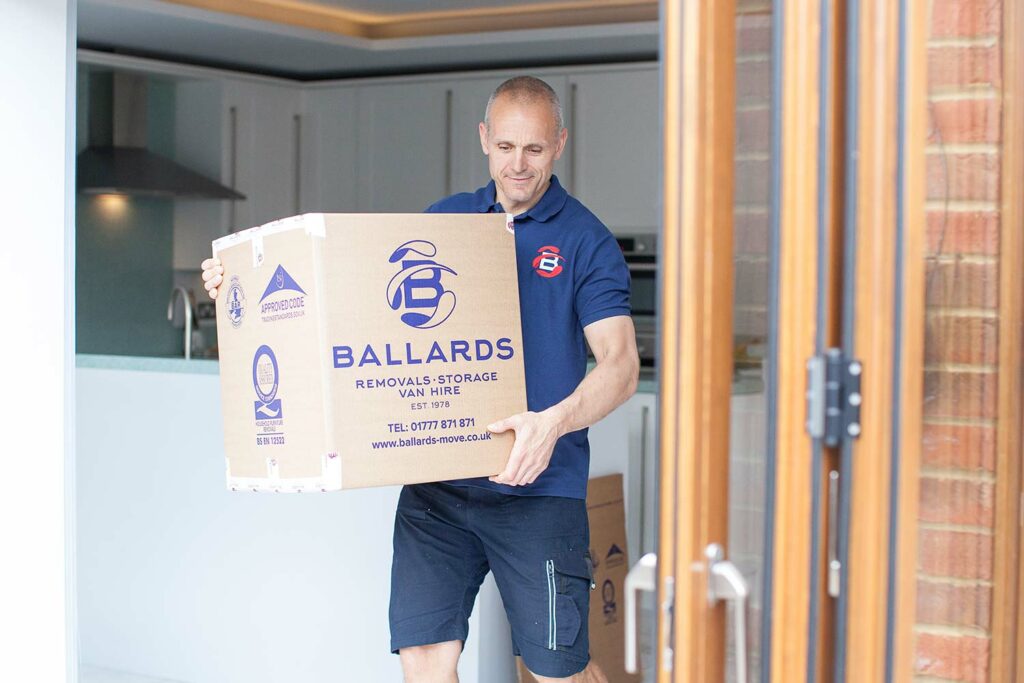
(527, 524)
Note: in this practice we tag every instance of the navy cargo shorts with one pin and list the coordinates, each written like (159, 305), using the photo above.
(446, 540)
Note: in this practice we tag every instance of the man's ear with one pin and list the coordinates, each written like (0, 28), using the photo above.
(562, 137)
(483, 137)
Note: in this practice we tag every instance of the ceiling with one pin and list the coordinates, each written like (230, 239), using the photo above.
(409, 6)
(348, 38)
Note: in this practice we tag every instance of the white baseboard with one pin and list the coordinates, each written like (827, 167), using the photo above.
(88, 673)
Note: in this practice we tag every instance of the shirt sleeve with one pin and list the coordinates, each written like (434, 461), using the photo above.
(602, 284)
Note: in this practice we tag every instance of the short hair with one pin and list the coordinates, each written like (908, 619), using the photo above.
(526, 90)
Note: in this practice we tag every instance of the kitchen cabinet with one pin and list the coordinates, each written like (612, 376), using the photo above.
(329, 148)
(615, 149)
(402, 147)
(261, 128)
(245, 134)
(198, 141)
(625, 442)
(398, 145)
(468, 104)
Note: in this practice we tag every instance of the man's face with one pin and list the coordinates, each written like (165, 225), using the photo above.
(522, 146)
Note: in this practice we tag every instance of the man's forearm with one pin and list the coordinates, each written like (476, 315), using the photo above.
(612, 381)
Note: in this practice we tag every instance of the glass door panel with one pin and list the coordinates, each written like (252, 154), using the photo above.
(733, 315)
(750, 451)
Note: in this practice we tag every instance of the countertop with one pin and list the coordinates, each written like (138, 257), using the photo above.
(148, 364)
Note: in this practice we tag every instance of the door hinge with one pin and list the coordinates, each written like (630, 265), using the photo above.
(833, 397)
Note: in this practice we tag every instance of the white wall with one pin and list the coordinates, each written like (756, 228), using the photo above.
(184, 580)
(37, 79)
(180, 579)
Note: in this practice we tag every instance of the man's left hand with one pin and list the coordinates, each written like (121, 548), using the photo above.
(536, 434)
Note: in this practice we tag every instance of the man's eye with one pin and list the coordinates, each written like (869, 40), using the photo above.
(504, 148)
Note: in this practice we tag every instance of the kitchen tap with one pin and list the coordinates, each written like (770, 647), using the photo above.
(186, 300)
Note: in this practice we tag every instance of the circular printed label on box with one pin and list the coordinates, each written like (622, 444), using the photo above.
(265, 374)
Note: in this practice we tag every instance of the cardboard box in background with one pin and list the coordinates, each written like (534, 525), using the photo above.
(368, 349)
(607, 514)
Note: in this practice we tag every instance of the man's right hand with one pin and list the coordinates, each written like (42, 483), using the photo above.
(213, 275)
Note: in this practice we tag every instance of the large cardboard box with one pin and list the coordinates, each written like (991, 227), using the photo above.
(607, 514)
(368, 349)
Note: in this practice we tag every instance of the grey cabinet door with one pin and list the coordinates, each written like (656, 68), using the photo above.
(260, 151)
(329, 146)
(402, 146)
(615, 146)
(273, 158)
(198, 143)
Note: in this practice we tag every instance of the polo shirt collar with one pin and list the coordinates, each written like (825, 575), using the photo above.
(551, 203)
(486, 199)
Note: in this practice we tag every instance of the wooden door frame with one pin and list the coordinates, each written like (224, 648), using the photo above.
(795, 520)
(903, 580)
(887, 217)
(834, 110)
(696, 366)
(1008, 575)
(698, 61)
(890, 94)
(872, 219)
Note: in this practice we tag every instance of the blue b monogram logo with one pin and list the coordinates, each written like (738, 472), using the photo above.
(417, 286)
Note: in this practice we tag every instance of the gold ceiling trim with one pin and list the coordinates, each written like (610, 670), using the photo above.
(372, 26)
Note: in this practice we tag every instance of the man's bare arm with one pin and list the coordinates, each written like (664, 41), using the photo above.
(612, 381)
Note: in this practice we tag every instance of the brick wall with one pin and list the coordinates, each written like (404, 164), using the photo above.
(957, 488)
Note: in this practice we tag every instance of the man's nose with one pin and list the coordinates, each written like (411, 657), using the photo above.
(519, 160)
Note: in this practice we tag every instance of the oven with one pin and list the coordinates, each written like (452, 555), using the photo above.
(641, 253)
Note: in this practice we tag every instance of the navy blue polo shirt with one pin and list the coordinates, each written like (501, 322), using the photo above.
(571, 274)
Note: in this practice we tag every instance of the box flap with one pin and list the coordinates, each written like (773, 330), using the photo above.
(312, 223)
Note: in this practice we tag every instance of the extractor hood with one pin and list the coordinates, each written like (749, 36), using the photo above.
(117, 161)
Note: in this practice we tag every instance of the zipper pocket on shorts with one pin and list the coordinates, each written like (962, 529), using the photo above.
(552, 601)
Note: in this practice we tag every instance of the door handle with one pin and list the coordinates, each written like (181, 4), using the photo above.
(834, 565)
(233, 166)
(297, 179)
(726, 583)
(644, 412)
(642, 577)
(449, 97)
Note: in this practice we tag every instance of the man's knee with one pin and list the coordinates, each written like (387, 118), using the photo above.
(592, 674)
(434, 663)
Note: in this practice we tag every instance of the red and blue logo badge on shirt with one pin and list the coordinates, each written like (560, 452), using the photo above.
(548, 262)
